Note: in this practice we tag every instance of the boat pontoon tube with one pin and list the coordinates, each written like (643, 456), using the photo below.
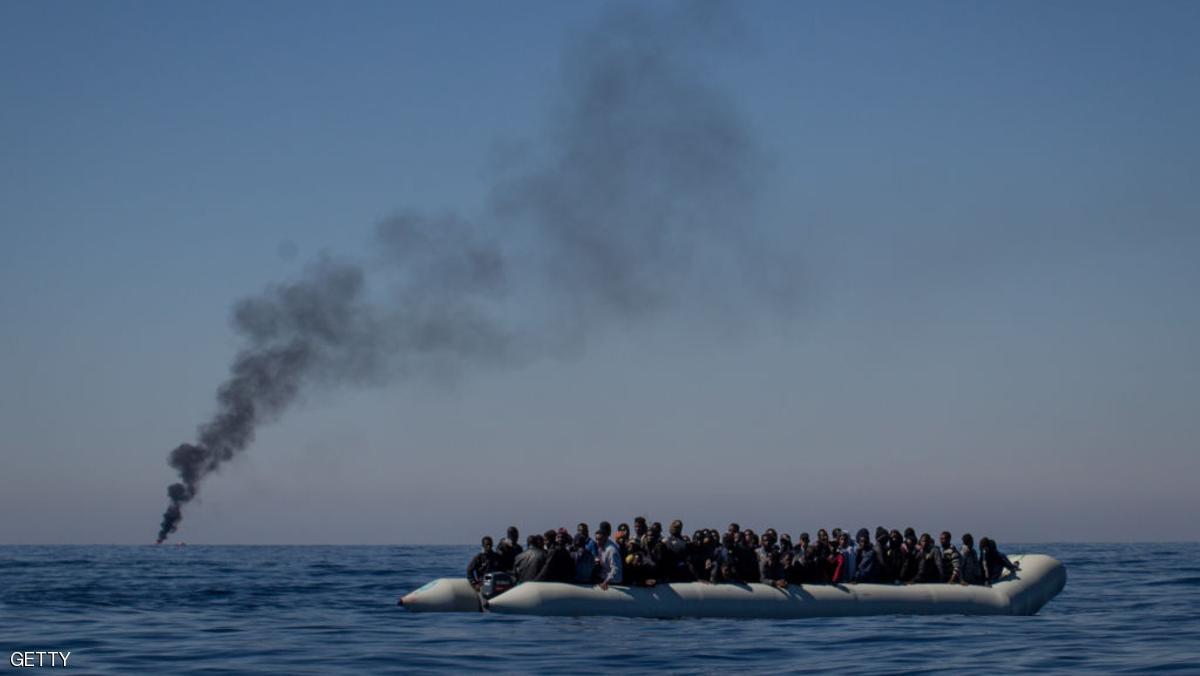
(1023, 593)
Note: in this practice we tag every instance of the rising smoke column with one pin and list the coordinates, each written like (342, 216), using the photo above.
(638, 199)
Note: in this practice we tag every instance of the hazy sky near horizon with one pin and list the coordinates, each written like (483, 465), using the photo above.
(992, 208)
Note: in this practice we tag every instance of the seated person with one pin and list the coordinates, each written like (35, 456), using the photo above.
(994, 563)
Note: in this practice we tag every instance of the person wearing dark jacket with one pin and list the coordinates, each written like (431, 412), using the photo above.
(530, 561)
(559, 566)
(509, 548)
(486, 561)
(893, 563)
(972, 572)
(673, 560)
(993, 562)
(745, 561)
(951, 560)
(866, 565)
(928, 561)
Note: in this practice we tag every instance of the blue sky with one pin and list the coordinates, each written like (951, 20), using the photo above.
(992, 208)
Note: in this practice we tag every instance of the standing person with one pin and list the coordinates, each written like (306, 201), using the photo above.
(951, 560)
(609, 560)
(994, 563)
(585, 561)
(929, 561)
(866, 566)
(486, 561)
(894, 561)
(509, 548)
(721, 566)
(849, 552)
(673, 559)
(559, 566)
(529, 563)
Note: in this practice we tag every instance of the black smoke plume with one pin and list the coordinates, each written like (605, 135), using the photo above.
(637, 199)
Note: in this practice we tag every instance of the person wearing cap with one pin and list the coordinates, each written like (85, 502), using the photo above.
(486, 561)
(609, 560)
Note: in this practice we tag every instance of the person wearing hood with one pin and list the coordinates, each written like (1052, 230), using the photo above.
(972, 571)
(486, 561)
(559, 566)
(993, 562)
(866, 565)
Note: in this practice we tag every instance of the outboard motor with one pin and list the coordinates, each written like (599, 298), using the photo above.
(495, 584)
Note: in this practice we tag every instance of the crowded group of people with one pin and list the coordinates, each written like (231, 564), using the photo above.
(645, 556)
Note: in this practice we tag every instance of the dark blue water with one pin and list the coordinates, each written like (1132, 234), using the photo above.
(1126, 608)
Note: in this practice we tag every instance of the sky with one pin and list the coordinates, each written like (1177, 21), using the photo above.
(988, 210)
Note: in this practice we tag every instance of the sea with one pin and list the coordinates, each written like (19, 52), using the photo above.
(1127, 608)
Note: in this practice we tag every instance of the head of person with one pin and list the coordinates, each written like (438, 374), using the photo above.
(770, 537)
(606, 527)
(894, 536)
(910, 534)
(514, 535)
(822, 536)
(656, 529)
(880, 533)
(601, 537)
(562, 538)
(843, 540)
(531, 541)
(729, 539)
(785, 542)
(986, 544)
(734, 528)
(623, 528)
(581, 541)
(944, 539)
(926, 540)
(582, 528)
(862, 537)
(639, 526)
(804, 539)
(836, 533)
(677, 528)
(486, 543)
(968, 540)
(549, 537)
